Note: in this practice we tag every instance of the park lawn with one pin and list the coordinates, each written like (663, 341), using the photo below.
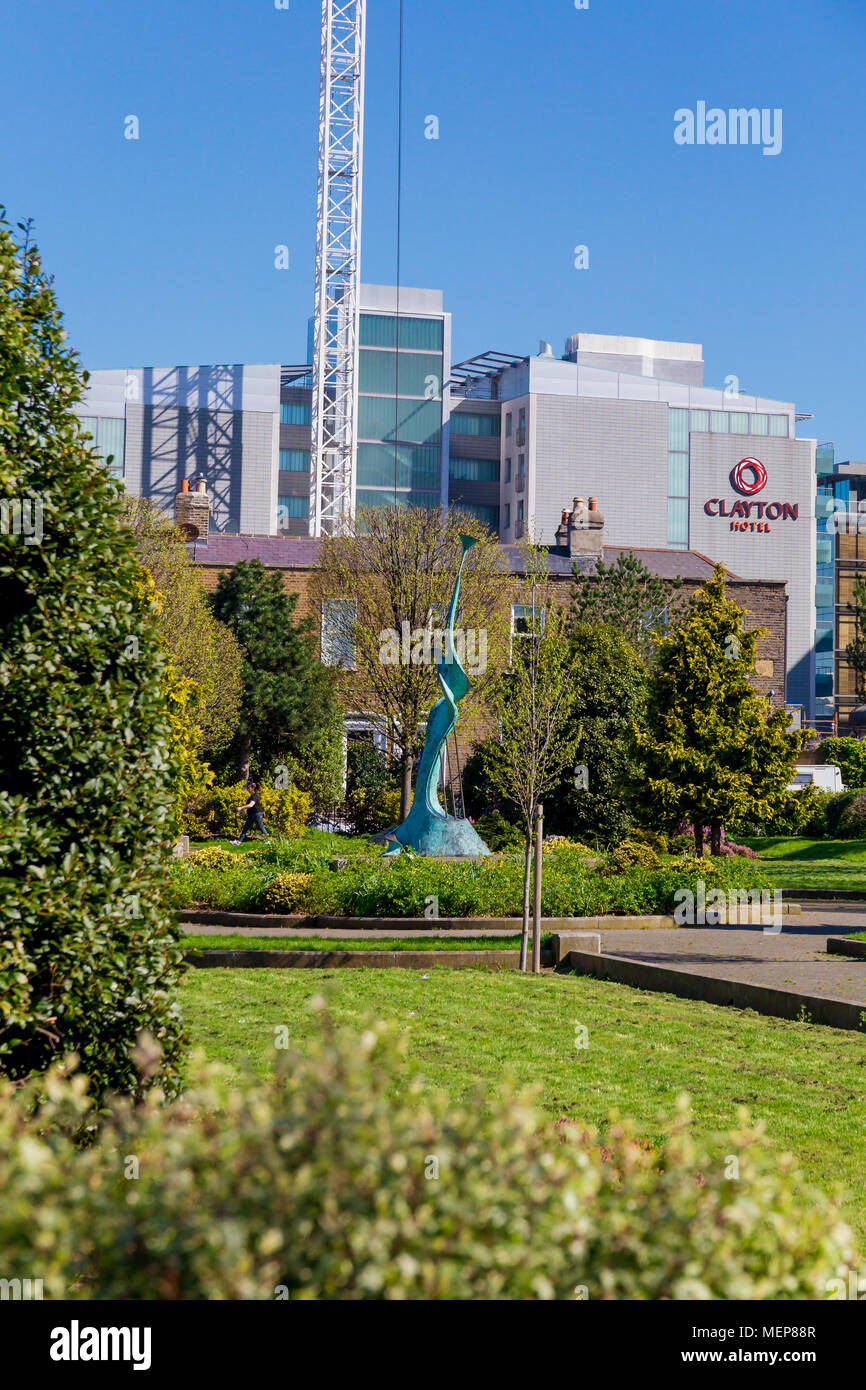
(236, 942)
(794, 862)
(805, 1081)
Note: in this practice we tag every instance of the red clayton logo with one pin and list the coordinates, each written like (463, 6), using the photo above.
(759, 480)
(748, 477)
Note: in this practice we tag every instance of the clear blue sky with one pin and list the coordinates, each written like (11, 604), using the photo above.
(556, 129)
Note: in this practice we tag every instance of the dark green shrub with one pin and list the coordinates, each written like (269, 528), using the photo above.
(849, 755)
(89, 955)
(343, 1178)
(852, 822)
(498, 834)
(836, 808)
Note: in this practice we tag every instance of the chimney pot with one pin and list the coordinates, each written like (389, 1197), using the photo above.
(593, 504)
(184, 484)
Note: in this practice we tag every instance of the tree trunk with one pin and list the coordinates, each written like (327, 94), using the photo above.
(406, 789)
(244, 758)
(715, 837)
(536, 906)
(699, 840)
(527, 867)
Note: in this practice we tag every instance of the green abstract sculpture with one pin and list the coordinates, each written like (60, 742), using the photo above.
(428, 829)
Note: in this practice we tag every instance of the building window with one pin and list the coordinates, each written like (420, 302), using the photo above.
(719, 421)
(487, 425)
(295, 413)
(701, 421)
(779, 425)
(417, 422)
(739, 422)
(507, 526)
(678, 523)
(295, 460)
(382, 373)
(508, 470)
(109, 440)
(474, 470)
(338, 632)
(521, 464)
(526, 620)
(413, 334)
(678, 429)
(760, 424)
(488, 516)
(291, 508)
(508, 425)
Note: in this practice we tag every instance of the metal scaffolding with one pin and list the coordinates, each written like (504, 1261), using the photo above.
(338, 260)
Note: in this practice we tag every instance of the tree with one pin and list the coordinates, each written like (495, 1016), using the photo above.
(855, 652)
(289, 711)
(383, 590)
(202, 649)
(595, 799)
(715, 750)
(89, 956)
(627, 596)
(533, 702)
(849, 755)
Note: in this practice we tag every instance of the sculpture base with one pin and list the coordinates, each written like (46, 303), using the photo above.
(444, 836)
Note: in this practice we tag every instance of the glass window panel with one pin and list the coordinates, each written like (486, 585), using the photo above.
(384, 330)
(779, 425)
(507, 516)
(489, 516)
(387, 497)
(678, 521)
(488, 425)
(824, 549)
(295, 460)
(678, 475)
(508, 470)
(739, 422)
(295, 413)
(475, 470)
(719, 421)
(824, 639)
(678, 425)
(701, 421)
(416, 466)
(111, 440)
(418, 422)
(413, 374)
(338, 641)
(293, 506)
(824, 592)
(508, 425)
(90, 423)
(760, 424)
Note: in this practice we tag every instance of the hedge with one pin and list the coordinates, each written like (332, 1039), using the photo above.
(344, 1179)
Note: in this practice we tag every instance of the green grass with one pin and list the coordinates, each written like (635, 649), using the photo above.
(794, 863)
(807, 1082)
(236, 942)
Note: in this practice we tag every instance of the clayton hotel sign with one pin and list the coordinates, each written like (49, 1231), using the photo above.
(749, 477)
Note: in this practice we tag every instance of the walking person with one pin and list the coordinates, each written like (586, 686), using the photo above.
(254, 816)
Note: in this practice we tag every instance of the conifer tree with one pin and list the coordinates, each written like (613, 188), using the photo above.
(715, 750)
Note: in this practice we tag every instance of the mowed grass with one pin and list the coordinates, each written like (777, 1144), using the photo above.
(795, 863)
(805, 1081)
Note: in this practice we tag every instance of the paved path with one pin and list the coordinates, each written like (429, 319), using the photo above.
(794, 959)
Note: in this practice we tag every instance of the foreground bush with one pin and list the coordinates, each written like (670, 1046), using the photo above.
(342, 1180)
(88, 954)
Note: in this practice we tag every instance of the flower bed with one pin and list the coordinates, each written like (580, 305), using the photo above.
(289, 879)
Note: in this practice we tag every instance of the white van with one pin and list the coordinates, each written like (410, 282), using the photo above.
(825, 776)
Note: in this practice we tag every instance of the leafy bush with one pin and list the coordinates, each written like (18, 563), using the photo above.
(286, 810)
(89, 955)
(654, 838)
(287, 893)
(836, 808)
(499, 834)
(213, 857)
(321, 1184)
(852, 822)
(634, 854)
(849, 755)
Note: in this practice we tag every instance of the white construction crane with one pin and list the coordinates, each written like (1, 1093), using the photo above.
(338, 263)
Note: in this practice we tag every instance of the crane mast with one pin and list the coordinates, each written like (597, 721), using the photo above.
(338, 260)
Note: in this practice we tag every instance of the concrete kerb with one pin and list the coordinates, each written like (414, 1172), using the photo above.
(372, 960)
(738, 994)
(844, 946)
(467, 926)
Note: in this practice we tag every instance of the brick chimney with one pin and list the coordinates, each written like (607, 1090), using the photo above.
(585, 528)
(192, 509)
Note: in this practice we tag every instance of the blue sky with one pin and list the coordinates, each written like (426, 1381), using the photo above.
(556, 129)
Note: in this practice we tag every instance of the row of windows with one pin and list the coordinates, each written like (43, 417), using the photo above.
(387, 497)
(487, 425)
(415, 466)
(509, 420)
(295, 460)
(295, 413)
(521, 467)
(474, 470)
(400, 373)
(519, 517)
(722, 422)
(488, 516)
(387, 331)
(292, 507)
(339, 616)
